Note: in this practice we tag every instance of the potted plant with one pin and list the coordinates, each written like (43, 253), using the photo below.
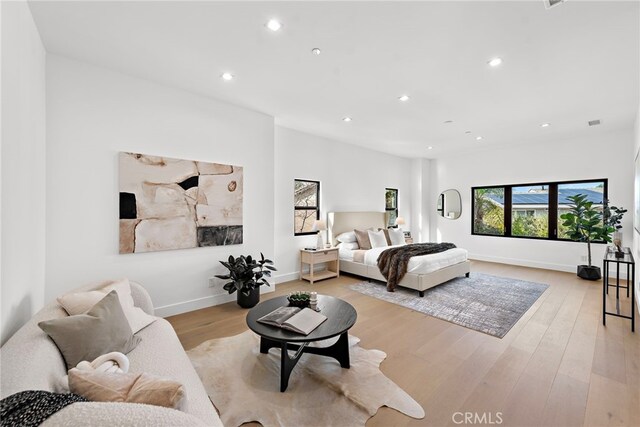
(246, 275)
(613, 217)
(586, 224)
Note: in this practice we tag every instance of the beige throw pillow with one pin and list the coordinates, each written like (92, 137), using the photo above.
(81, 302)
(101, 330)
(130, 388)
(362, 236)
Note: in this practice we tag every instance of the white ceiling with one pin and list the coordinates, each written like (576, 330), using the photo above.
(573, 63)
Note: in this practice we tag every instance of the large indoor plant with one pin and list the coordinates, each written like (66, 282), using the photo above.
(584, 223)
(246, 275)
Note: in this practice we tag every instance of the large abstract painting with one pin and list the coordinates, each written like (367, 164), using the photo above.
(170, 203)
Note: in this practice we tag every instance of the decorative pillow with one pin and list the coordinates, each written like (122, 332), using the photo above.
(396, 236)
(352, 245)
(377, 239)
(362, 236)
(81, 302)
(348, 237)
(131, 388)
(101, 330)
(386, 235)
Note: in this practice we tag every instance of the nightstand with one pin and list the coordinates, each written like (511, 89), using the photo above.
(408, 240)
(329, 255)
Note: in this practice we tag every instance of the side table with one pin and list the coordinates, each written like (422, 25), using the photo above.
(327, 255)
(630, 264)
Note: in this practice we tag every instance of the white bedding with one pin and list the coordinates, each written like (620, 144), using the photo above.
(422, 264)
(345, 253)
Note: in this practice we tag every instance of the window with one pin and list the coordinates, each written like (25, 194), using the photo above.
(306, 206)
(594, 190)
(530, 210)
(488, 210)
(391, 204)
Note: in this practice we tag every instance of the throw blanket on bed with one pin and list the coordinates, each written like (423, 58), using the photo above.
(32, 407)
(393, 262)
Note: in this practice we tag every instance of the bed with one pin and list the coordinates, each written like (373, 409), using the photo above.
(423, 272)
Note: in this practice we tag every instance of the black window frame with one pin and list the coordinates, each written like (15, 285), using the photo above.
(552, 231)
(306, 208)
(395, 210)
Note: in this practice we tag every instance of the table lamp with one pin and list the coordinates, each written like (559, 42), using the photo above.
(320, 225)
(400, 221)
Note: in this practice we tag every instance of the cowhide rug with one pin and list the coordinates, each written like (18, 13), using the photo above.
(245, 385)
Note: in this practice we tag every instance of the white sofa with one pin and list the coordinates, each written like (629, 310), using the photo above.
(30, 360)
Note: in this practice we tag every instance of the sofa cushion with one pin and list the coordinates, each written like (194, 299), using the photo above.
(126, 387)
(101, 330)
(160, 353)
(81, 302)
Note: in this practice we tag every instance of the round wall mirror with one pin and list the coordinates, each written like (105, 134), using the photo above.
(450, 204)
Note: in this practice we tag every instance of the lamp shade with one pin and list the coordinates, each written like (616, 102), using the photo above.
(400, 221)
(319, 225)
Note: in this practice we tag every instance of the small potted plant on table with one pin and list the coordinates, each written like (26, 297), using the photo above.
(246, 275)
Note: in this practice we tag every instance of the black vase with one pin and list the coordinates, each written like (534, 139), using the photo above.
(589, 272)
(250, 300)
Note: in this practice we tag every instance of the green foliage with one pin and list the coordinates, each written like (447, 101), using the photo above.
(584, 223)
(613, 216)
(488, 216)
(299, 299)
(246, 273)
(530, 226)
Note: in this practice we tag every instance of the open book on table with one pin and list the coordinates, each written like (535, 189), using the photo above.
(302, 321)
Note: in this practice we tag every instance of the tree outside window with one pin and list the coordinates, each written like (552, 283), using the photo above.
(391, 204)
(306, 206)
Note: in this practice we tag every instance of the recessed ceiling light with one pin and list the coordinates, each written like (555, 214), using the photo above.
(494, 62)
(346, 119)
(403, 98)
(594, 122)
(429, 148)
(316, 51)
(467, 132)
(227, 76)
(478, 138)
(545, 125)
(446, 122)
(274, 25)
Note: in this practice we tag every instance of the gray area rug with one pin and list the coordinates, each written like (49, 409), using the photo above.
(482, 302)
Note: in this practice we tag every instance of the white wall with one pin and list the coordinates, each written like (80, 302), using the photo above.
(585, 158)
(23, 167)
(421, 199)
(93, 114)
(636, 234)
(351, 179)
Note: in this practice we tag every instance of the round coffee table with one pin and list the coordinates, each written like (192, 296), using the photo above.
(341, 316)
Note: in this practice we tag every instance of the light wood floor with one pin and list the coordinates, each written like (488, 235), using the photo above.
(558, 366)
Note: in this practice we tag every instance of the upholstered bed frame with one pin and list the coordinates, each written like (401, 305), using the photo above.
(341, 222)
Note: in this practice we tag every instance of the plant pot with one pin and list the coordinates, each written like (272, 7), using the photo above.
(251, 300)
(589, 272)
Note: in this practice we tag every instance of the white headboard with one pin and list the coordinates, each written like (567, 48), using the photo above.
(341, 222)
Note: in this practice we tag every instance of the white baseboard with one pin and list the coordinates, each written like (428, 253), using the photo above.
(287, 277)
(204, 302)
(536, 264)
